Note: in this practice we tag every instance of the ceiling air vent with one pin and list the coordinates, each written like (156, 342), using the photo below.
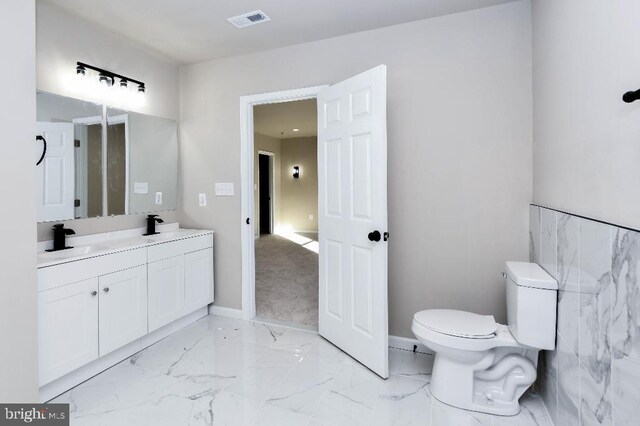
(250, 18)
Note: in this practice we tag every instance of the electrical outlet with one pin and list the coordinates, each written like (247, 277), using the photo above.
(158, 198)
(310, 217)
(202, 200)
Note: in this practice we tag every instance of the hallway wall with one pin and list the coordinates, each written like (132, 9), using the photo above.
(300, 196)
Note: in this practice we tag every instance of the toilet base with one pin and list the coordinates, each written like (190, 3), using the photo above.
(489, 382)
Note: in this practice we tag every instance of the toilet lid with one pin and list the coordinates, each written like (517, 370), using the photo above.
(458, 323)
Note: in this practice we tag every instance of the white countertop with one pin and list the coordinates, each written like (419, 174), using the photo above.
(94, 245)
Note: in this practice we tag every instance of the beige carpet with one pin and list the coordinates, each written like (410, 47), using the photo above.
(286, 281)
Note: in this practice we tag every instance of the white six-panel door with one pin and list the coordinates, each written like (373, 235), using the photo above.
(352, 206)
(55, 175)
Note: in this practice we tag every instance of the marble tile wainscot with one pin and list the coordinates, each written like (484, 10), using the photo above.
(593, 376)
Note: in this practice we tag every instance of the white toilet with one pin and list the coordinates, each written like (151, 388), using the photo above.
(484, 366)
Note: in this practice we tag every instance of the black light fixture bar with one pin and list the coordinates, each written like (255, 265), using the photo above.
(110, 74)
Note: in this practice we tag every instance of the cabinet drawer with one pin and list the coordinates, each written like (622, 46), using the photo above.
(176, 248)
(55, 276)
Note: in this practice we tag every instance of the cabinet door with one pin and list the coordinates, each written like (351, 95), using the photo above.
(67, 328)
(166, 291)
(198, 280)
(123, 308)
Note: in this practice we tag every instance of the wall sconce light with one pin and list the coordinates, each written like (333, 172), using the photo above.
(108, 78)
(296, 172)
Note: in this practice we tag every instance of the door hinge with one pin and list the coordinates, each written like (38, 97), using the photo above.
(385, 236)
(76, 143)
(76, 203)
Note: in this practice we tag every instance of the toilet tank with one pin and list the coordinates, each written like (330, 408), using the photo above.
(531, 304)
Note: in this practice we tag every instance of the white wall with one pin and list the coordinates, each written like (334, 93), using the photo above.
(63, 40)
(586, 140)
(18, 318)
(459, 111)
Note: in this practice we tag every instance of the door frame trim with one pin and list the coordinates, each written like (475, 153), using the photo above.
(247, 184)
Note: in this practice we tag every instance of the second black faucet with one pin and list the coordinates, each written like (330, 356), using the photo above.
(151, 224)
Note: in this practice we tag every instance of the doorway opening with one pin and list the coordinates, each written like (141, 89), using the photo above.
(352, 211)
(286, 212)
(265, 194)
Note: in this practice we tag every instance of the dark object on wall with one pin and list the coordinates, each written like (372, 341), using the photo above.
(631, 96)
(296, 172)
(44, 149)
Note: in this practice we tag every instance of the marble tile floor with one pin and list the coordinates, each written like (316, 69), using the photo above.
(222, 371)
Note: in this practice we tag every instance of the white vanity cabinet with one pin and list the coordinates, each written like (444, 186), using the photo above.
(198, 279)
(96, 310)
(180, 278)
(78, 320)
(166, 291)
(67, 328)
(122, 308)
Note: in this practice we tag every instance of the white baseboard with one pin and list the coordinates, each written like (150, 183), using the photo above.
(408, 344)
(225, 312)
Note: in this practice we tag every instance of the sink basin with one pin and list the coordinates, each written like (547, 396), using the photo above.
(72, 252)
(166, 236)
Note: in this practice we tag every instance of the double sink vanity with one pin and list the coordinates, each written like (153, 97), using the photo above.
(113, 294)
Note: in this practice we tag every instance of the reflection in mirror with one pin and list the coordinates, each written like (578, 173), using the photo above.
(150, 146)
(69, 178)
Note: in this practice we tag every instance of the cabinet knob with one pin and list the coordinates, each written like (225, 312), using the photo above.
(94, 293)
(106, 289)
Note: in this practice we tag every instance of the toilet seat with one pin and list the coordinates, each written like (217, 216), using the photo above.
(434, 332)
(458, 323)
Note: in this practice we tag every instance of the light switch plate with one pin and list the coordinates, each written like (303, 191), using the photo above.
(158, 198)
(202, 200)
(224, 189)
(141, 188)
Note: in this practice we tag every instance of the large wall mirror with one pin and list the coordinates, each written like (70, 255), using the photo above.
(96, 161)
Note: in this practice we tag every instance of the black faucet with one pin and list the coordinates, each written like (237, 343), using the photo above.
(59, 234)
(151, 224)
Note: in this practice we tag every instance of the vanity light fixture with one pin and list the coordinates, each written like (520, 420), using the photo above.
(108, 77)
(296, 172)
(106, 80)
(295, 130)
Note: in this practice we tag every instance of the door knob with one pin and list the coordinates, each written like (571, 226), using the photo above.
(106, 289)
(94, 293)
(374, 236)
